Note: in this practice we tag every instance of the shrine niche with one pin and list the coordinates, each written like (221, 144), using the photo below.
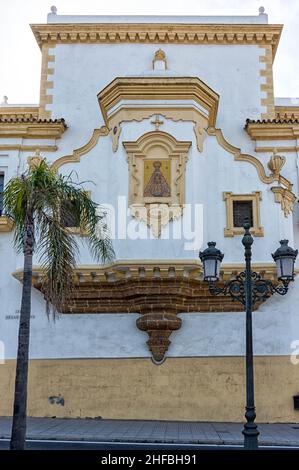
(157, 164)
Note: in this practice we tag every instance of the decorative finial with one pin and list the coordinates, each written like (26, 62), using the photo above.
(276, 163)
(159, 61)
(53, 10)
(36, 160)
(160, 55)
(261, 10)
(5, 100)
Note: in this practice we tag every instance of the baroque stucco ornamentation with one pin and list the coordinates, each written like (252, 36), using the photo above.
(276, 163)
(159, 61)
(286, 198)
(128, 99)
(75, 157)
(244, 157)
(157, 163)
(199, 121)
(35, 160)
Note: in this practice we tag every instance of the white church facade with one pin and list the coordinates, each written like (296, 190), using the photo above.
(172, 125)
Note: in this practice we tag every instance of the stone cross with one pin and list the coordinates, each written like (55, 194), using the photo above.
(157, 123)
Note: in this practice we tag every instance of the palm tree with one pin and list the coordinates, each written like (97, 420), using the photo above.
(39, 201)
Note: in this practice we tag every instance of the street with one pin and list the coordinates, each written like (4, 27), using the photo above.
(88, 445)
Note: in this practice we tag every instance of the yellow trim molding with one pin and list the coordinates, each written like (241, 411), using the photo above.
(243, 157)
(159, 90)
(267, 72)
(151, 33)
(151, 270)
(285, 198)
(75, 157)
(273, 129)
(129, 114)
(287, 112)
(32, 129)
(45, 83)
(278, 148)
(6, 224)
(19, 112)
(29, 148)
(229, 198)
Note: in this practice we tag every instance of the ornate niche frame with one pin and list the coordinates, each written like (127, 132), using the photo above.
(160, 152)
(255, 198)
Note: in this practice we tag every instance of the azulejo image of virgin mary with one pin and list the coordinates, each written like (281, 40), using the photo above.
(157, 185)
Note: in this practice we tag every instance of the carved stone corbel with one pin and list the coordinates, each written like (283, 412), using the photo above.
(159, 327)
(285, 198)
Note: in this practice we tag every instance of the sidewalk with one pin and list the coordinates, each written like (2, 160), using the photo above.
(151, 431)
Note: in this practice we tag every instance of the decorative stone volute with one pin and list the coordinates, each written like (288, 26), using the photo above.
(159, 327)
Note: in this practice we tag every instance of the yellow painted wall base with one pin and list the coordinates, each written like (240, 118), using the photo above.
(195, 389)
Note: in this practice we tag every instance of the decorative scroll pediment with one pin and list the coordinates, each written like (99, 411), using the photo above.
(129, 99)
(157, 163)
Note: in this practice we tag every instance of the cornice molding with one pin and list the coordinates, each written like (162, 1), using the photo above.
(28, 148)
(19, 112)
(128, 99)
(158, 88)
(31, 128)
(252, 34)
(273, 130)
(151, 269)
(287, 112)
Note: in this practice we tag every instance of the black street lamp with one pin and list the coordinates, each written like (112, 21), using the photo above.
(249, 288)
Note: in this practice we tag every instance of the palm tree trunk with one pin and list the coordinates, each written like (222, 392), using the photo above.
(18, 435)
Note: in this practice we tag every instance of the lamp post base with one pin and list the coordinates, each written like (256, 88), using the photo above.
(250, 431)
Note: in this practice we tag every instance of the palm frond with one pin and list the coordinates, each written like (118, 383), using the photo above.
(51, 198)
(16, 197)
(57, 250)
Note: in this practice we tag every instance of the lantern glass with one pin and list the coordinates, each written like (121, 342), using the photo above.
(211, 269)
(285, 267)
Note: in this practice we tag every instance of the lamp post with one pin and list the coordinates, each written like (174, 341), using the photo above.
(249, 288)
